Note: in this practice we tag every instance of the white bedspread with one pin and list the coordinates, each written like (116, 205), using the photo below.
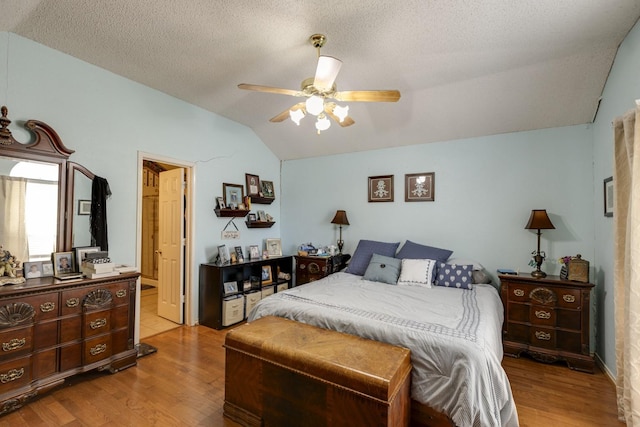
(454, 336)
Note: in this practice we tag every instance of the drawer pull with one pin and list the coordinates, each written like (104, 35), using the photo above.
(544, 336)
(73, 302)
(100, 348)
(569, 298)
(121, 293)
(518, 292)
(12, 375)
(47, 307)
(302, 266)
(14, 344)
(98, 323)
(541, 314)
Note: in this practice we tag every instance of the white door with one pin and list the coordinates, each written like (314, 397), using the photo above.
(171, 245)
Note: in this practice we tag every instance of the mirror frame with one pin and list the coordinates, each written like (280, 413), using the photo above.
(48, 148)
(72, 167)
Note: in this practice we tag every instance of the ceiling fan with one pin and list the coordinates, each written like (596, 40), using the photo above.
(321, 94)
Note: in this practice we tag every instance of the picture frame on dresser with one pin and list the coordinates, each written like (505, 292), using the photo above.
(80, 253)
(608, 197)
(63, 262)
(273, 247)
(32, 269)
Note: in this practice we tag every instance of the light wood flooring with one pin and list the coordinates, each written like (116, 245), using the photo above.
(183, 385)
(150, 323)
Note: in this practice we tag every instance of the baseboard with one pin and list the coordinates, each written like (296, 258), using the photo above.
(605, 369)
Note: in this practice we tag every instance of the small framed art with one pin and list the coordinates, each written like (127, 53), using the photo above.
(273, 247)
(230, 288)
(33, 269)
(233, 195)
(254, 252)
(267, 190)
(223, 255)
(62, 262)
(84, 207)
(239, 254)
(380, 188)
(266, 275)
(220, 203)
(608, 196)
(80, 253)
(419, 187)
(253, 184)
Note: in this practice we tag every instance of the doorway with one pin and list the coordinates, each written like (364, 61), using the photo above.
(162, 299)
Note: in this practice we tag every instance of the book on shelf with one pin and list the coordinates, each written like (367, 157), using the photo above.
(101, 275)
(507, 271)
(123, 268)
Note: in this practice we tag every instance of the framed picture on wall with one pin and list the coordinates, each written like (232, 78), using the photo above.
(253, 184)
(233, 195)
(419, 187)
(84, 207)
(380, 188)
(608, 196)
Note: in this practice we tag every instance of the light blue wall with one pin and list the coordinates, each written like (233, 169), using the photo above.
(485, 189)
(619, 95)
(108, 119)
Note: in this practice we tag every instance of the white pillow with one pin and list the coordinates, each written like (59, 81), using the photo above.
(417, 272)
(464, 261)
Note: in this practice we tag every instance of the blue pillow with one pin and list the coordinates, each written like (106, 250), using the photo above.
(454, 276)
(413, 250)
(364, 251)
(383, 269)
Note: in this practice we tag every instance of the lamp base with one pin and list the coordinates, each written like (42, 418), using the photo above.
(340, 246)
(538, 274)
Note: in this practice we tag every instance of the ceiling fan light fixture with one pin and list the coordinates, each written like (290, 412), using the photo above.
(296, 116)
(341, 112)
(314, 105)
(323, 123)
(326, 72)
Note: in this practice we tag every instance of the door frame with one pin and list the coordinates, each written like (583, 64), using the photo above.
(188, 231)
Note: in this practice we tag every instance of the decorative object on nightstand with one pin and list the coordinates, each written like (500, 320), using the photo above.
(539, 220)
(314, 267)
(341, 219)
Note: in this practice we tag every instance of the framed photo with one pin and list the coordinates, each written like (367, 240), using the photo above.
(266, 275)
(230, 288)
(267, 190)
(84, 207)
(80, 252)
(274, 247)
(381, 188)
(253, 184)
(32, 270)
(233, 195)
(47, 269)
(262, 216)
(223, 255)
(239, 254)
(419, 187)
(220, 203)
(254, 252)
(62, 262)
(608, 196)
(252, 217)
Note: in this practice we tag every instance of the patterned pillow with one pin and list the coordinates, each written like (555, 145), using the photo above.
(383, 269)
(416, 251)
(454, 275)
(417, 272)
(364, 251)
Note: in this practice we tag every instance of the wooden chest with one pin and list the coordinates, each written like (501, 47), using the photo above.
(285, 373)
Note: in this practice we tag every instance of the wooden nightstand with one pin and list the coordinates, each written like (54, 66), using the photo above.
(547, 318)
(310, 268)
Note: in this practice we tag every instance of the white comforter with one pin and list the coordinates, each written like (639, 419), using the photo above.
(454, 336)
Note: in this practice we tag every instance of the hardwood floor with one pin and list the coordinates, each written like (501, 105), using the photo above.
(183, 384)
(150, 322)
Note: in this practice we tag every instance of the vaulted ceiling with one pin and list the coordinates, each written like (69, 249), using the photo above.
(464, 68)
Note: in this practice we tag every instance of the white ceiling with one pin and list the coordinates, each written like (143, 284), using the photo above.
(464, 68)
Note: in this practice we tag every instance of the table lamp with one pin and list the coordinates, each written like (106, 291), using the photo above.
(539, 220)
(341, 219)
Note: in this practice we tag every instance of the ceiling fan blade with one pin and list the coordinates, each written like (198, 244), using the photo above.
(270, 89)
(285, 114)
(328, 110)
(367, 96)
(326, 72)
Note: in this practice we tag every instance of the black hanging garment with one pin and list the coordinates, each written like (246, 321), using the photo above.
(100, 192)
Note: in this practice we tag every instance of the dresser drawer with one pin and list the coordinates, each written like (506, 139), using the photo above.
(44, 363)
(72, 299)
(16, 341)
(518, 312)
(542, 315)
(45, 306)
(70, 356)
(518, 292)
(96, 322)
(120, 292)
(70, 329)
(543, 337)
(45, 334)
(15, 374)
(96, 349)
(569, 298)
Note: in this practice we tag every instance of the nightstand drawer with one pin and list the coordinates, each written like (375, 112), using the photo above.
(543, 337)
(542, 315)
(569, 298)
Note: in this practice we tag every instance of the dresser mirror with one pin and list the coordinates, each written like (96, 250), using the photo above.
(37, 187)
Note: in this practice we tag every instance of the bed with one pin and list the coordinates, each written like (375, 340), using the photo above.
(454, 336)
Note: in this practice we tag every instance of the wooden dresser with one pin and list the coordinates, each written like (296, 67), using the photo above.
(51, 330)
(547, 318)
(310, 268)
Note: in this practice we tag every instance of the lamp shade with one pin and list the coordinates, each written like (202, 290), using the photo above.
(340, 218)
(539, 220)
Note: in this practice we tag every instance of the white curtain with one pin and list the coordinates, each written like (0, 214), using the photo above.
(626, 182)
(13, 230)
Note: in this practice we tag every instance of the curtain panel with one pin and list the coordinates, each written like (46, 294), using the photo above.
(13, 229)
(626, 182)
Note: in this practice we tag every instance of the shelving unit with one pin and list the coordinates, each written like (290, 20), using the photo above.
(259, 224)
(262, 200)
(228, 213)
(219, 309)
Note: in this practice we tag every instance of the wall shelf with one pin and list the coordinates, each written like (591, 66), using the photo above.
(262, 200)
(259, 224)
(228, 213)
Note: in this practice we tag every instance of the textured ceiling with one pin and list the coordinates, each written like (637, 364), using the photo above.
(464, 68)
